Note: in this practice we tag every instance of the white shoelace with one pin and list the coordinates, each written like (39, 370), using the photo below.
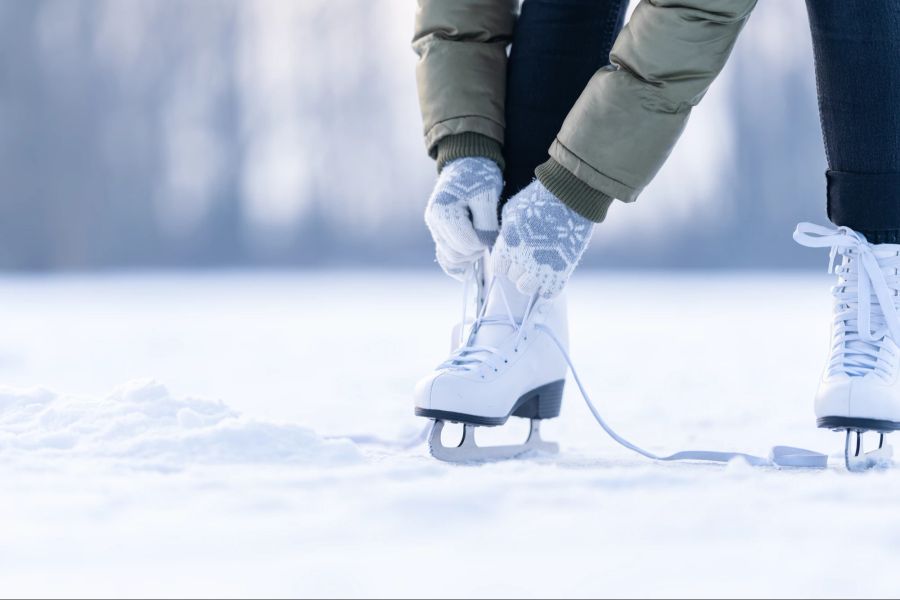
(865, 299)
(779, 456)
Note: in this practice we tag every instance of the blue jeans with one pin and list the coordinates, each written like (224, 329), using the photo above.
(557, 47)
(857, 49)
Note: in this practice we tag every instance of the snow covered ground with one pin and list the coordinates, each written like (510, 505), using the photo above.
(173, 435)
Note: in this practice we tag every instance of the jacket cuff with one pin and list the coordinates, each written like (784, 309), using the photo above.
(588, 202)
(467, 145)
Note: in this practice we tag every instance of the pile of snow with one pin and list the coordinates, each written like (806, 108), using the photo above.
(142, 425)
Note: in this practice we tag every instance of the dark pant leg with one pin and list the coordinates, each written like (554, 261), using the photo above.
(557, 46)
(857, 50)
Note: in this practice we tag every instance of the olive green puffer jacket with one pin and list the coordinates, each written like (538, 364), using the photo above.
(622, 128)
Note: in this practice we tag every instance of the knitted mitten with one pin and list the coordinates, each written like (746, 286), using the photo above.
(541, 241)
(462, 212)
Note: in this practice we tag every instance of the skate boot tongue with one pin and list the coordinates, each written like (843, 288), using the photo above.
(504, 301)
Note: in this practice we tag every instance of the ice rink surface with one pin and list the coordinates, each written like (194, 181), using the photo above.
(173, 435)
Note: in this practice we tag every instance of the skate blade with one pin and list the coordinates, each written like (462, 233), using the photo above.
(857, 461)
(467, 451)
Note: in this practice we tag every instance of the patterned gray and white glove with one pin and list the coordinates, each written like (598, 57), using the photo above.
(462, 212)
(541, 241)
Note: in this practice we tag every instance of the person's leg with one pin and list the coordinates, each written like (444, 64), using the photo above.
(557, 47)
(857, 51)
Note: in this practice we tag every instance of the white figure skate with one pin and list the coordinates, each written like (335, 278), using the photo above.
(860, 389)
(507, 366)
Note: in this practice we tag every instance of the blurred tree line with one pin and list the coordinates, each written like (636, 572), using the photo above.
(161, 133)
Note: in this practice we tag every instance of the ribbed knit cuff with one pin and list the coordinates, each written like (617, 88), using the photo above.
(466, 145)
(586, 201)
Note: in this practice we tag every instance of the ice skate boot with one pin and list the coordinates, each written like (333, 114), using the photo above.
(508, 366)
(859, 390)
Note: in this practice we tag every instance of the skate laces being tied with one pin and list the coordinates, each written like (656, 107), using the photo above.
(865, 299)
(470, 356)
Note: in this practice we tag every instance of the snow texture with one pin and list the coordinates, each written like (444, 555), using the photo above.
(141, 425)
(231, 479)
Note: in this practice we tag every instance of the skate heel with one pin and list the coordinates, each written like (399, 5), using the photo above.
(541, 403)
